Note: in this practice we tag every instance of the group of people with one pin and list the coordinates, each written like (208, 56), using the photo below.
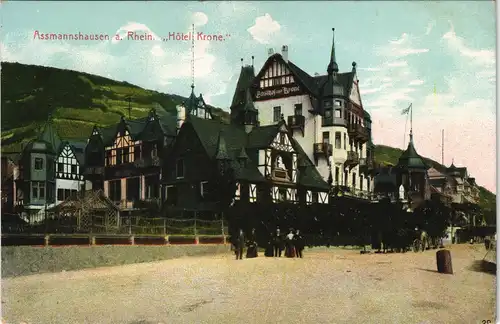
(292, 244)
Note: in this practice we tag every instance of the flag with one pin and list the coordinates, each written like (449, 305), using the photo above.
(406, 110)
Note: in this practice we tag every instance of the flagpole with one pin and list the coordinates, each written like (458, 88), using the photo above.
(411, 120)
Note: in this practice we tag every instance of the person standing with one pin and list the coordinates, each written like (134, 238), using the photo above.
(299, 243)
(289, 252)
(277, 242)
(239, 245)
(252, 245)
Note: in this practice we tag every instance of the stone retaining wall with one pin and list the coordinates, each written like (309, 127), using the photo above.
(26, 260)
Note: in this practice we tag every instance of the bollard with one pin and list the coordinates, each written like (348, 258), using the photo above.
(132, 239)
(167, 240)
(92, 240)
(196, 240)
(46, 240)
(224, 239)
(443, 259)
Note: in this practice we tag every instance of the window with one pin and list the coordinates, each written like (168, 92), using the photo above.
(38, 163)
(154, 151)
(282, 138)
(326, 137)
(282, 194)
(338, 140)
(152, 186)
(125, 155)
(67, 193)
(60, 167)
(60, 194)
(276, 81)
(338, 113)
(133, 189)
(38, 190)
(109, 157)
(345, 141)
(337, 174)
(179, 169)
(204, 189)
(118, 154)
(338, 103)
(73, 169)
(328, 113)
(137, 152)
(360, 182)
(345, 178)
(368, 184)
(171, 195)
(115, 190)
(315, 197)
(354, 180)
(277, 114)
(298, 110)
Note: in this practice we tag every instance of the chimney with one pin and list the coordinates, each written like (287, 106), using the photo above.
(316, 74)
(181, 116)
(270, 52)
(284, 53)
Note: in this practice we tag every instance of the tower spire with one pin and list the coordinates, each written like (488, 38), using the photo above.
(192, 59)
(333, 66)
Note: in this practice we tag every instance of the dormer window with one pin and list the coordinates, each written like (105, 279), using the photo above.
(328, 113)
(38, 163)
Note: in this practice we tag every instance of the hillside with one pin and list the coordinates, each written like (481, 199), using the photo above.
(79, 100)
(76, 100)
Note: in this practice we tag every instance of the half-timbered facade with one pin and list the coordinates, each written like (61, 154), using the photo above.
(69, 171)
(268, 165)
(324, 113)
(126, 158)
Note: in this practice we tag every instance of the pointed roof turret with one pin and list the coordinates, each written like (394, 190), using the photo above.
(191, 102)
(249, 106)
(243, 156)
(221, 151)
(410, 159)
(333, 66)
(50, 135)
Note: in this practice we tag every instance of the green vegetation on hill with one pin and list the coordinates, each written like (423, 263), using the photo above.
(78, 101)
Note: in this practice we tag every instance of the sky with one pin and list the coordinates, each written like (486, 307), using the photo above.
(438, 56)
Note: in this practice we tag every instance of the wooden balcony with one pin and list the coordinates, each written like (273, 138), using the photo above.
(352, 159)
(323, 149)
(358, 132)
(297, 122)
(147, 162)
(366, 165)
(97, 170)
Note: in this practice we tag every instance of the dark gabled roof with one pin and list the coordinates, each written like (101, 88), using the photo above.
(247, 75)
(236, 142)
(410, 159)
(308, 175)
(47, 136)
(107, 134)
(262, 137)
(78, 148)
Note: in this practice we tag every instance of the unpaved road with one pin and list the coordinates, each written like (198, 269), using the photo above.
(327, 286)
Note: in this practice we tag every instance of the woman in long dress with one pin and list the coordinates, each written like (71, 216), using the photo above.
(252, 245)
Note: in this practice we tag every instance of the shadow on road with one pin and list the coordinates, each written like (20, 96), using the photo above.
(484, 266)
(428, 270)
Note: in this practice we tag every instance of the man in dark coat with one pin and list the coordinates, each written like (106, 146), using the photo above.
(239, 245)
(298, 243)
(277, 243)
(252, 245)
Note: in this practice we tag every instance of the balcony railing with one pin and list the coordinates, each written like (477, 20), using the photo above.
(352, 158)
(146, 162)
(98, 170)
(296, 121)
(358, 132)
(324, 149)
